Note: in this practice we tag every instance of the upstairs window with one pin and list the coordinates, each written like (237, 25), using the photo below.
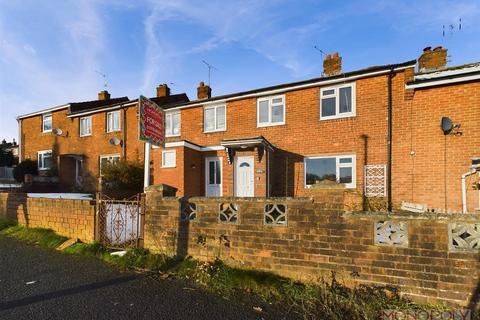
(339, 169)
(271, 111)
(214, 118)
(337, 102)
(44, 160)
(47, 122)
(172, 124)
(85, 126)
(113, 121)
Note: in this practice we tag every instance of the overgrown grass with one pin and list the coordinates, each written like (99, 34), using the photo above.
(46, 238)
(325, 299)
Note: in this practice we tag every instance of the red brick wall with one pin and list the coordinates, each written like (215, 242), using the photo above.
(34, 140)
(420, 178)
(70, 218)
(304, 134)
(320, 238)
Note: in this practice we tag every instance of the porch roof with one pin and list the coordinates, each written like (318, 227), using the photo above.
(74, 156)
(246, 143)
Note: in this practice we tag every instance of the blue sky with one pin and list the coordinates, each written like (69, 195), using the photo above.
(51, 50)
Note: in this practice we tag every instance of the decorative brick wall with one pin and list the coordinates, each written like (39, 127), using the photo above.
(71, 218)
(429, 257)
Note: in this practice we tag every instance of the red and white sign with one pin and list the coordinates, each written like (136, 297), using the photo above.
(151, 122)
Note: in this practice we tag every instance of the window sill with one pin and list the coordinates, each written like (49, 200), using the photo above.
(113, 131)
(168, 167)
(172, 136)
(350, 115)
(47, 131)
(214, 131)
(86, 135)
(309, 186)
(44, 169)
(270, 125)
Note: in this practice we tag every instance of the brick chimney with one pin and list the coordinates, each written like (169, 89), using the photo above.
(203, 91)
(432, 59)
(163, 90)
(103, 95)
(332, 65)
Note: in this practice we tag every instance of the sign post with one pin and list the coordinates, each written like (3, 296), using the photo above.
(151, 126)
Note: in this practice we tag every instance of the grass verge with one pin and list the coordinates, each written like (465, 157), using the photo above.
(326, 299)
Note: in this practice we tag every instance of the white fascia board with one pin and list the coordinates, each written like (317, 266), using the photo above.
(447, 73)
(117, 107)
(442, 82)
(286, 89)
(36, 113)
(192, 146)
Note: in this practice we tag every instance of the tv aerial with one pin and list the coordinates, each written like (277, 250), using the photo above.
(210, 68)
(319, 50)
(104, 76)
(452, 27)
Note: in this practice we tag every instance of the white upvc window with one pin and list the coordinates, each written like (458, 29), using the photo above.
(271, 111)
(105, 159)
(169, 158)
(47, 122)
(86, 126)
(172, 124)
(339, 169)
(337, 101)
(215, 118)
(113, 121)
(44, 159)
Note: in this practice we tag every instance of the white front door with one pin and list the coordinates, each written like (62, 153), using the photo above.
(213, 177)
(244, 177)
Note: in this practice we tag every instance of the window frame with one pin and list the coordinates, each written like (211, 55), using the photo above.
(108, 157)
(171, 114)
(80, 126)
(41, 154)
(338, 165)
(164, 165)
(336, 95)
(109, 130)
(270, 107)
(215, 118)
(43, 122)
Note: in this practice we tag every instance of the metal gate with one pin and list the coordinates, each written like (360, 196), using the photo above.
(119, 223)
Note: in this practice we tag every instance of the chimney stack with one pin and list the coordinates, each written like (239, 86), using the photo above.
(332, 65)
(103, 95)
(163, 90)
(432, 59)
(203, 91)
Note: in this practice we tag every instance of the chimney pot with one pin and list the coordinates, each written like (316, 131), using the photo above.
(427, 49)
(103, 95)
(163, 90)
(332, 65)
(203, 91)
(437, 48)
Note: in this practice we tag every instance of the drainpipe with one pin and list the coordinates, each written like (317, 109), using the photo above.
(464, 189)
(389, 162)
(124, 133)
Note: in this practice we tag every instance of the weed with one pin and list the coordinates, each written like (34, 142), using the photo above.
(43, 237)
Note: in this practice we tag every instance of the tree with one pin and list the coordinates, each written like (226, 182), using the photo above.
(25, 167)
(122, 178)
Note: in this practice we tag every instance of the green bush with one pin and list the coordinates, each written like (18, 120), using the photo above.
(122, 178)
(25, 167)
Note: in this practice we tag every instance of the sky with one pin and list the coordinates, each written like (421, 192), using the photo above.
(57, 51)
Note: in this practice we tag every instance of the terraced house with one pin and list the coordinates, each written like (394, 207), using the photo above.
(372, 130)
(71, 142)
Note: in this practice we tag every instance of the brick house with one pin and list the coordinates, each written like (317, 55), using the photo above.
(70, 142)
(282, 140)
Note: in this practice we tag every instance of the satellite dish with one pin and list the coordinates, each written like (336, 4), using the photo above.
(114, 141)
(57, 131)
(446, 125)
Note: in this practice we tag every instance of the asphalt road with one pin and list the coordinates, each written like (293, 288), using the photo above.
(37, 283)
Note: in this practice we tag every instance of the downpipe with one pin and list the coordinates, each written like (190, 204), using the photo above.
(464, 189)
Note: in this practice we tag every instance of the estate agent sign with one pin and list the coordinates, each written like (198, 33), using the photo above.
(151, 122)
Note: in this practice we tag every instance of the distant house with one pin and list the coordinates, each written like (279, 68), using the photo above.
(70, 142)
(8, 159)
(376, 131)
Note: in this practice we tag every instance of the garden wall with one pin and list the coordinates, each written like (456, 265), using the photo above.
(71, 218)
(429, 257)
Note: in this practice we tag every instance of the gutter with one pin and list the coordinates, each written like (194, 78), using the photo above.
(441, 81)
